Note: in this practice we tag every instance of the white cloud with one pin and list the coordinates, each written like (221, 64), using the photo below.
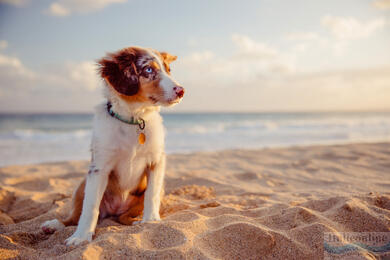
(84, 73)
(17, 3)
(302, 36)
(56, 88)
(382, 4)
(67, 7)
(259, 57)
(305, 40)
(13, 66)
(342, 30)
(199, 57)
(57, 9)
(270, 81)
(264, 78)
(3, 45)
(345, 28)
(248, 48)
(250, 61)
(355, 89)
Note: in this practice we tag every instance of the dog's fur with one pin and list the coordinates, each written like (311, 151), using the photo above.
(125, 177)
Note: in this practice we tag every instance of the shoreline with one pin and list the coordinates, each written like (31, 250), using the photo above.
(206, 151)
(270, 202)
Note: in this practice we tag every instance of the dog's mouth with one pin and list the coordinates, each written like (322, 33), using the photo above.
(168, 102)
(175, 101)
(154, 100)
(172, 102)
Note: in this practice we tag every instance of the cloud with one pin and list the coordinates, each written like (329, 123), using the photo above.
(57, 9)
(13, 66)
(199, 57)
(67, 7)
(351, 89)
(248, 48)
(382, 4)
(55, 88)
(346, 28)
(250, 61)
(302, 36)
(266, 78)
(259, 57)
(306, 40)
(17, 3)
(3, 45)
(342, 31)
(84, 73)
(354, 89)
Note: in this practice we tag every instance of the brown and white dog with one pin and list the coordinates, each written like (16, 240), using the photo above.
(126, 173)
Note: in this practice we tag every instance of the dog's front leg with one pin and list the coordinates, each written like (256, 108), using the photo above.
(96, 184)
(153, 192)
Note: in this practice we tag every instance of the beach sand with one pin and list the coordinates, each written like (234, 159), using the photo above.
(234, 204)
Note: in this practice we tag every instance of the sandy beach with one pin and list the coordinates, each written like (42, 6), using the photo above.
(233, 204)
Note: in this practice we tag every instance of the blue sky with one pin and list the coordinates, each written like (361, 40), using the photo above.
(269, 55)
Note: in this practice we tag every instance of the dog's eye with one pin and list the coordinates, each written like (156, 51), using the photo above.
(148, 70)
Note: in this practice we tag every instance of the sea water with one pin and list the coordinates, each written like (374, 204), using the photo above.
(34, 138)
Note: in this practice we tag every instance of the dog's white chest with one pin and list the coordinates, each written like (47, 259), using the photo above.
(133, 156)
(122, 147)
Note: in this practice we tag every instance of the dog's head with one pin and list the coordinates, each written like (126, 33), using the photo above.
(141, 75)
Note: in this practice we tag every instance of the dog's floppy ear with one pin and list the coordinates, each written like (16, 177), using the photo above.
(120, 71)
(168, 57)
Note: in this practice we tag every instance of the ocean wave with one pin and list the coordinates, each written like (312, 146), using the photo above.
(198, 132)
(285, 125)
(39, 135)
(221, 127)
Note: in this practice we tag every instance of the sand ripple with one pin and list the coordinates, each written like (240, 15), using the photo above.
(214, 210)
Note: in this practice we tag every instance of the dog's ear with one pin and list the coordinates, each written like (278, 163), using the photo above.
(120, 71)
(168, 58)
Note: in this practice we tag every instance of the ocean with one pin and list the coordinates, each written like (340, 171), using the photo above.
(35, 138)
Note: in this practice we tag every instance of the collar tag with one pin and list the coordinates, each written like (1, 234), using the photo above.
(141, 138)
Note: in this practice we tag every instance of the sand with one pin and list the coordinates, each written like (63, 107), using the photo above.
(234, 204)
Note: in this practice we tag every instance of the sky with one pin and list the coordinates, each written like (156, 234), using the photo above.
(233, 56)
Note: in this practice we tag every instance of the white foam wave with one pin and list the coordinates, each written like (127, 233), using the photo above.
(39, 135)
(201, 132)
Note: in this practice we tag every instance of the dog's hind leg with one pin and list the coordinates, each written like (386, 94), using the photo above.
(134, 211)
(51, 226)
(136, 206)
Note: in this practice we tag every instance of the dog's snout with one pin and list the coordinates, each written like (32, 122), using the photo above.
(179, 90)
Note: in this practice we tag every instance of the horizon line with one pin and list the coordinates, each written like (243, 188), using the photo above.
(205, 112)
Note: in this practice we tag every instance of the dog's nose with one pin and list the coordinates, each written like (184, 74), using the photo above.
(179, 91)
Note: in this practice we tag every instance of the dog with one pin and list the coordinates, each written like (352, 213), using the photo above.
(126, 173)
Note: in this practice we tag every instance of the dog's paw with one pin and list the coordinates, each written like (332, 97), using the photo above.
(77, 239)
(51, 226)
(147, 220)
